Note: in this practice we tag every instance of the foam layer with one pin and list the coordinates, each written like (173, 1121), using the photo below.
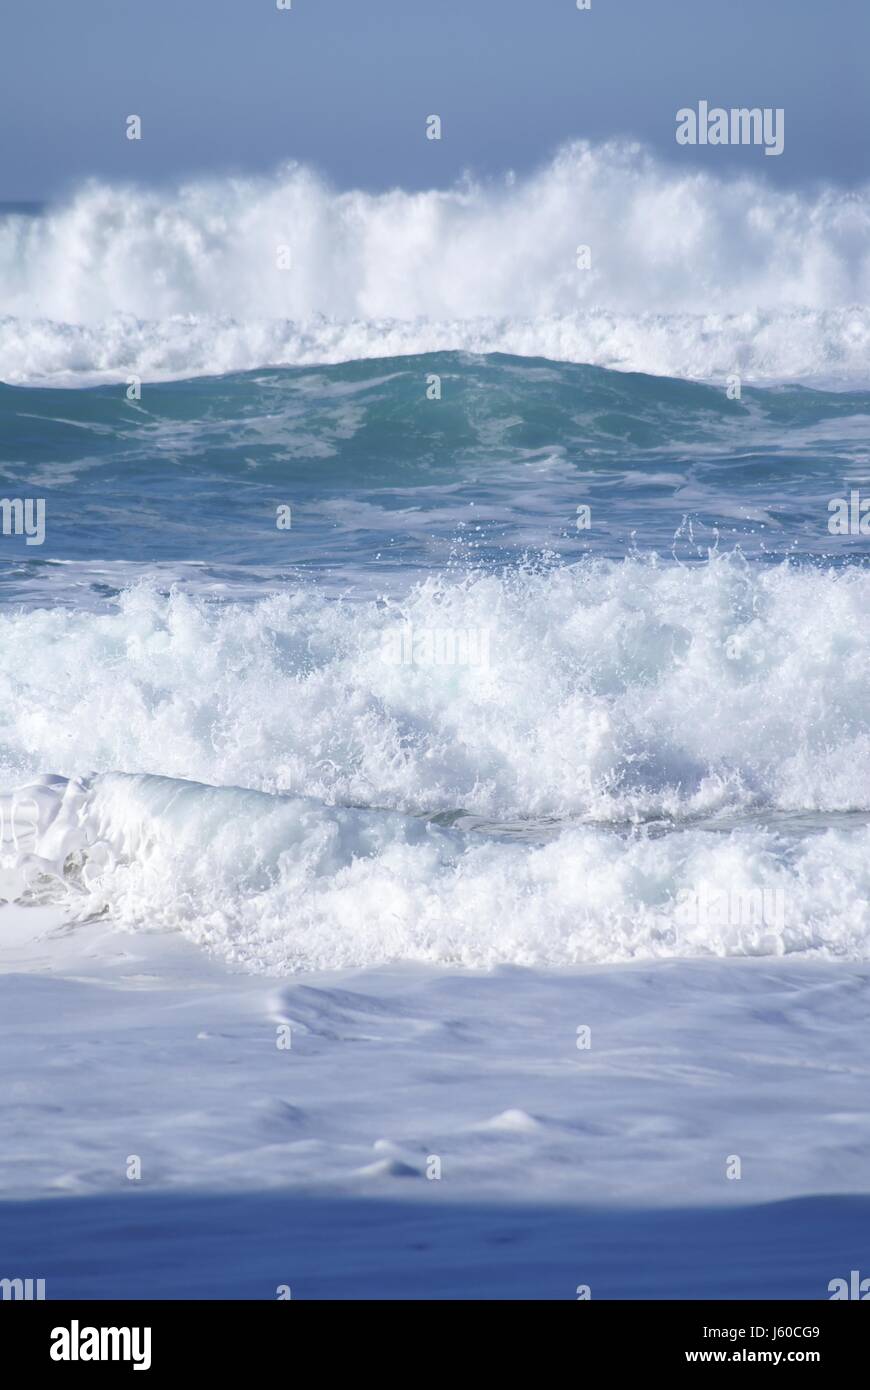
(603, 690)
(690, 274)
(281, 883)
(829, 347)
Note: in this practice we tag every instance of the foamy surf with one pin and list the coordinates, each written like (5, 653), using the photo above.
(610, 691)
(688, 274)
(434, 701)
(279, 883)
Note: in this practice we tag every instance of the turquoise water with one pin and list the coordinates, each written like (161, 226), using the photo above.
(385, 483)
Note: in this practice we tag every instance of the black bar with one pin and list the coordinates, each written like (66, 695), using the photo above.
(223, 1337)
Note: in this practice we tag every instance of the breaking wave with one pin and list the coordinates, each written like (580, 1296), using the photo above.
(612, 691)
(278, 883)
(508, 810)
(690, 275)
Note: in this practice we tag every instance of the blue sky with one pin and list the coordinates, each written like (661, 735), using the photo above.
(236, 85)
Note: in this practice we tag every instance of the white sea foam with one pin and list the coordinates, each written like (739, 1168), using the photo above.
(612, 691)
(277, 883)
(691, 274)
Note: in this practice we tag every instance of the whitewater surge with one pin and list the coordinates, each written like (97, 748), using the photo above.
(691, 275)
(278, 883)
(611, 691)
(505, 810)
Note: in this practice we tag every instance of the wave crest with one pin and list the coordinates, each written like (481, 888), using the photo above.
(277, 884)
(690, 274)
(612, 691)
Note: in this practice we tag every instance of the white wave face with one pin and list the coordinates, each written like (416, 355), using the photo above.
(690, 275)
(612, 692)
(276, 884)
(611, 695)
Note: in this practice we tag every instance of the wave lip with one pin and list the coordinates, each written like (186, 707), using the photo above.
(689, 274)
(825, 347)
(277, 883)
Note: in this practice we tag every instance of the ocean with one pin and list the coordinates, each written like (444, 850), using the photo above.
(429, 652)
